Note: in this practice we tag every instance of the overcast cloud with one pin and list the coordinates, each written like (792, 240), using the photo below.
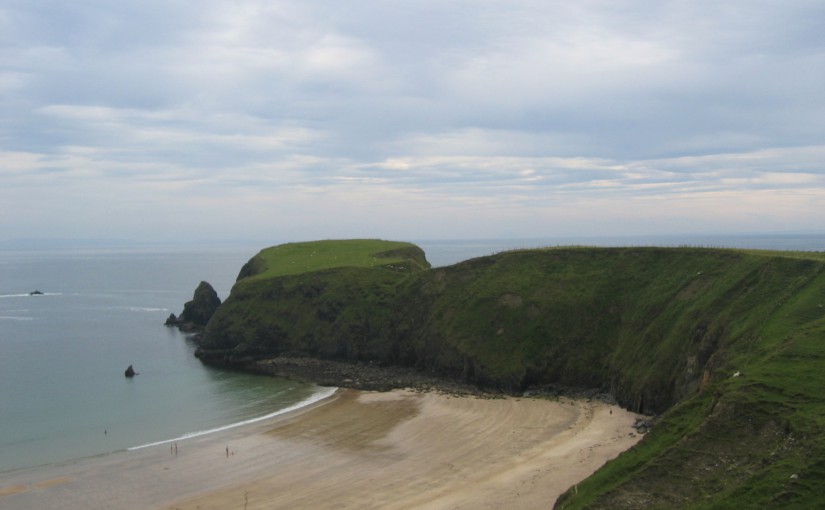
(282, 120)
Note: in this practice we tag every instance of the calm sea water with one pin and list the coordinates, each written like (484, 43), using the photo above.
(62, 354)
(63, 394)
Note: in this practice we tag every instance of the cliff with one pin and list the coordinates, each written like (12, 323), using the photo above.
(726, 345)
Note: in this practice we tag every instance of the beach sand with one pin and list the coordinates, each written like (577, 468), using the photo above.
(392, 450)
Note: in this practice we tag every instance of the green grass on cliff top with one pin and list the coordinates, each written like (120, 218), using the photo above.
(296, 258)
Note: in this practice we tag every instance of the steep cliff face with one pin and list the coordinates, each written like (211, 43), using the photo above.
(342, 313)
(664, 330)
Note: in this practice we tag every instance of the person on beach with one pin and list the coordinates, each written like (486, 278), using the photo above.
(227, 452)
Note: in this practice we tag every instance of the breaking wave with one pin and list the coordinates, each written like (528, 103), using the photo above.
(321, 394)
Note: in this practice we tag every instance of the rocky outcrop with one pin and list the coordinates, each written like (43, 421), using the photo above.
(203, 305)
(197, 312)
(130, 372)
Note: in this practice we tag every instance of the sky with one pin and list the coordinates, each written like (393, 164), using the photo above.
(292, 120)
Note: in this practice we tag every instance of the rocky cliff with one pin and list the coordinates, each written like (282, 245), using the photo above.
(197, 312)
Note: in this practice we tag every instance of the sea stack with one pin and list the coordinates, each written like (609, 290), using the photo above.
(197, 312)
(130, 372)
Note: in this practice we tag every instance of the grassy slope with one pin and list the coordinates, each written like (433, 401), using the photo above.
(662, 329)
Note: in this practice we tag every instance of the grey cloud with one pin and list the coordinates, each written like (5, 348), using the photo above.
(523, 102)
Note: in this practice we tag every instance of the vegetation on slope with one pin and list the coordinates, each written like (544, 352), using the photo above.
(664, 330)
(330, 299)
(753, 437)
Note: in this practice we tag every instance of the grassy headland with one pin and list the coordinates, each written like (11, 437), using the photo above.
(297, 258)
(726, 345)
(332, 299)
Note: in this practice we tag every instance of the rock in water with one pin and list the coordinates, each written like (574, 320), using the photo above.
(171, 320)
(130, 372)
(202, 307)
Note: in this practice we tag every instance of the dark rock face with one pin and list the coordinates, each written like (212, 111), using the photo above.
(197, 312)
(130, 372)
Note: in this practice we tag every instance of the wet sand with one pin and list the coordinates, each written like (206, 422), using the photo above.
(393, 450)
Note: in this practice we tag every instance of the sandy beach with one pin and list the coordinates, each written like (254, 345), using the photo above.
(393, 450)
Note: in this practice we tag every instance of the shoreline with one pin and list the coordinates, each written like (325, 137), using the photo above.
(323, 393)
(369, 376)
(397, 449)
(320, 393)
(130, 478)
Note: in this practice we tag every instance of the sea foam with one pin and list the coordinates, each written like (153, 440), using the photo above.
(321, 394)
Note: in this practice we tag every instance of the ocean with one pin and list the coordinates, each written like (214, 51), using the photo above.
(63, 394)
